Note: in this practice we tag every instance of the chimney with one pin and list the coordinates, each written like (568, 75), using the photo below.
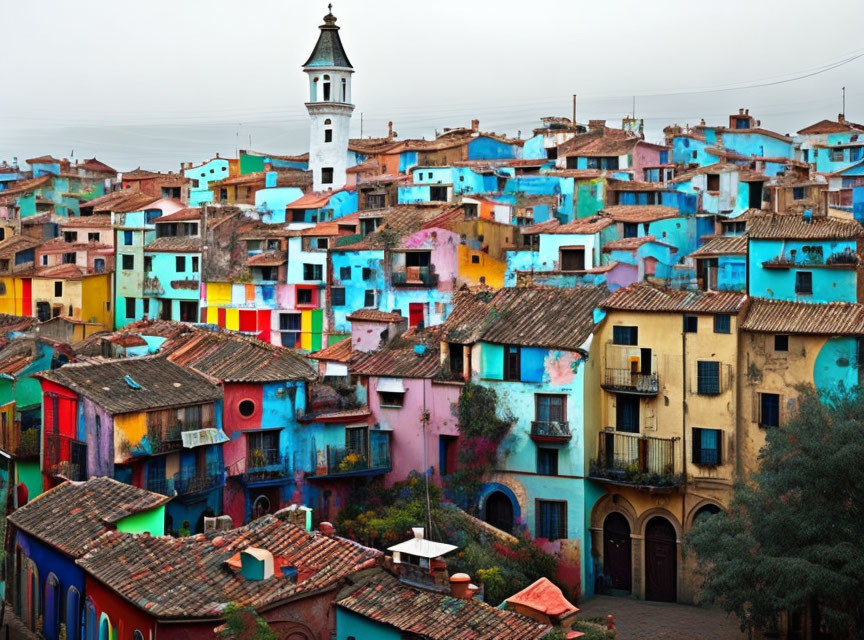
(460, 586)
(475, 125)
(327, 529)
(741, 112)
(390, 130)
(256, 564)
(841, 117)
(596, 124)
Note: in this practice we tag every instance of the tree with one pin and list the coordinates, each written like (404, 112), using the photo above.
(243, 623)
(792, 539)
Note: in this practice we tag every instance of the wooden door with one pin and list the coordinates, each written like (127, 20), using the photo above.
(661, 561)
(617, 563)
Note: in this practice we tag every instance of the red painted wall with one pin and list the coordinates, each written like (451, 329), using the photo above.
(124, 617)
(234, 394)
(67, 422)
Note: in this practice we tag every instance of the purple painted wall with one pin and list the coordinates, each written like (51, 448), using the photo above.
(100, 440)
(366, 336)
(644, 156)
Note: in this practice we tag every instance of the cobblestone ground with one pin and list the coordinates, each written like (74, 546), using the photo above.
(640, 620)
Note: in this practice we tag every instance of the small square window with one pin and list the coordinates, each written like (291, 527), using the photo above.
(93, 237)
(326, 175)
(691, 324)
(367, 273)
(128, 262)
(391, 398)
(804, 282)
(337, 296)
(304, 296)
(781, 343)
(722, 324)
(58, 289)
(180, 264)
(369, 299)
(625, 335)
(312, 271)
(547, 461)
(475, 259)
(344, 273)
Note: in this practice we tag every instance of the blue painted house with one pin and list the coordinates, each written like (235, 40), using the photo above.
(832, 145)
(172, 267)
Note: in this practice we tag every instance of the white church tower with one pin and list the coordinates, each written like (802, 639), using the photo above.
(329, 107)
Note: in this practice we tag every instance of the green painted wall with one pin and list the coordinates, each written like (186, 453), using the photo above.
(251, 164)
(152, 522)
(589, 197)
(492, 361)
(28, 472)
(349, 624)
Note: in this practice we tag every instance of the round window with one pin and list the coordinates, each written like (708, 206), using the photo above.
(246, 408)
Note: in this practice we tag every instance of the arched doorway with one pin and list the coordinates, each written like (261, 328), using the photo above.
(499, 511)
(617, 557)
(661, 561)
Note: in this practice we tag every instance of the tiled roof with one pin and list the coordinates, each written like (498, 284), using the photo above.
(579, 174)
(13, 364)
(139, 174)
(228, 357)
(335, 227)
(550, 317)
(267, 259)
(831, 126)
(605, 146)
(97, 166)
(722, 245)
(374, 315)
(378, 595)
(24, 186)
(86, 221)
(399, 221)
(70, 515)
(59, 244)
(43, 160)
(196, 576)
(124, 201)
(399, 360)
(162, 384)
(189, 213)
(636, 185)
(640, 212)
(717, 167)
(246, 178)
(328, 51)
(174, 243)
(645, 297)
(628, 244)
(60, 271)
(9, 322)
(780, 316)
(792, 226)
(310, 201)
(13, 244)
(543, 596)
(585, 226)
(337, 352)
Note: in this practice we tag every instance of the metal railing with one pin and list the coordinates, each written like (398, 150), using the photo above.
(341, 460)
(633, 458)
(66, 456)
(646, 383)
(555, 429)
(414, 277)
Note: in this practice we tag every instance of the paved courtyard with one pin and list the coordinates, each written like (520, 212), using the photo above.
(640, 620)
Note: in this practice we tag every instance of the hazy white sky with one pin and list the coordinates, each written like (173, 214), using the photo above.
(163, 81)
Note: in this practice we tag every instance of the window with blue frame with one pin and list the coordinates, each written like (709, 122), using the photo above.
(547, 461)
(90, 628)
(73, 613)
(551, 519)
(722, 323)
(707, 446)
(127, 238)
(708, 377)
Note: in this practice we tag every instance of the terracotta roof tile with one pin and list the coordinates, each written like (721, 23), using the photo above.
(86, 221)
(400, 220)
(72, 514)
(399, 360)
(374, 315)
(25, 186)
(189, 213)
(793, 226)
(645, 297)
(780, 316)
(174, 243)
(640, 213)
(628, 244)
(337, 352)
(267, 259)
(831, 126)
(378, 595)
(545, 597)
(586, 226)
(722, 245)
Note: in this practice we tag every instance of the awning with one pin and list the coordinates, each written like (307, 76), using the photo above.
(335, 369)
(201, 437)
(390, 385)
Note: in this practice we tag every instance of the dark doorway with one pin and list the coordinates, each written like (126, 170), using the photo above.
(754, 195)
(627, 413)
(616, 552)
(499, 511)
(661, 561)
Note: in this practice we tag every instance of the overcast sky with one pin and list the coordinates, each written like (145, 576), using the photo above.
(163, 81)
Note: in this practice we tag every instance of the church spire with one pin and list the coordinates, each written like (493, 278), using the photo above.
(328, 51)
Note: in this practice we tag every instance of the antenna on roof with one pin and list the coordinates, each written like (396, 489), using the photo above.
(634, 107)
(843, 113)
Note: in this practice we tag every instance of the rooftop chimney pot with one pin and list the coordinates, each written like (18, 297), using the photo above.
(327, 529)
(418, 532)
(460, 586)
(475, 125)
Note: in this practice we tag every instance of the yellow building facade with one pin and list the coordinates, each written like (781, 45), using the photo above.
(663, 450)
(86, 298)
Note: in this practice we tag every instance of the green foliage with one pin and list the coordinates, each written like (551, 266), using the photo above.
(381, 517)
(478, 413)
(792, 537)
(344, 241)
(243, 623)
(593, 630)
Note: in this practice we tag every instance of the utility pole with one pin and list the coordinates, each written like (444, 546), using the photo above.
(574, 108)
(844, 103)
(361, 124)
(634, 107)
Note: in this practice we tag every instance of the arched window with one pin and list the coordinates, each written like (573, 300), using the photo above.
(137, 635)
(325, 93)
(706, 512)
(73, 613)
(51, 622)
(344, 90)
(90, 621)
(32, 594)
(328, 121)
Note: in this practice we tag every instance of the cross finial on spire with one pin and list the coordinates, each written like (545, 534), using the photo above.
(330, 7)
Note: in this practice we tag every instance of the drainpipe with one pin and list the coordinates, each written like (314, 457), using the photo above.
(683, 423)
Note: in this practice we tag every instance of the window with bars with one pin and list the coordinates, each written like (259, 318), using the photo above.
(707, 446)
(551, 519)
(708, 377)
(804, 282)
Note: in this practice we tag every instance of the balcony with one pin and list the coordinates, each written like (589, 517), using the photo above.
(846, 259)
(188, 485)
(553, 432)
(343, 462)
(638, 460)
(629, 381)
(414, 277)
(65, 456)
(266, 468)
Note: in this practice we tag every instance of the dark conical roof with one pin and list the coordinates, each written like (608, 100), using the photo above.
(328, 51)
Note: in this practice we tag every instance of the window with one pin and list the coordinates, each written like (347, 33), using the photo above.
(625, 335)
(713, 182)
(269, 273)
(58, 289)
(708, 378)
(246, 408)
(631, 230)
(457, 359)
(797, 193)
(130, 307)
(70, 236)
(373, 201)
(836, 155)
(691, 324)
(148, 263)
(722, 324)
(706, 446)
(366, 274)
(551, 519)
(304, 296)
(550, 408)
(573, 259)
(769, 410)
(289, 322)
(93, 237)
(369, 298)
(145, 303)
(438, 194)
(73, 613)
(69, 258)
(547, 461)
(344, 273)
(180, 264)
(328, 135)
(781, 343)
(44, 263)
(391, 398)
(262, 449)
(344, 90)
(137, 635)
(418, 258)
(312, 271)
(337, 296)
(99, 265)
(320, 243)
(128, 262)
(804, 282)
(326, 175)
(512, 365)
(475, 259)
(127, 238)
(194, 264)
